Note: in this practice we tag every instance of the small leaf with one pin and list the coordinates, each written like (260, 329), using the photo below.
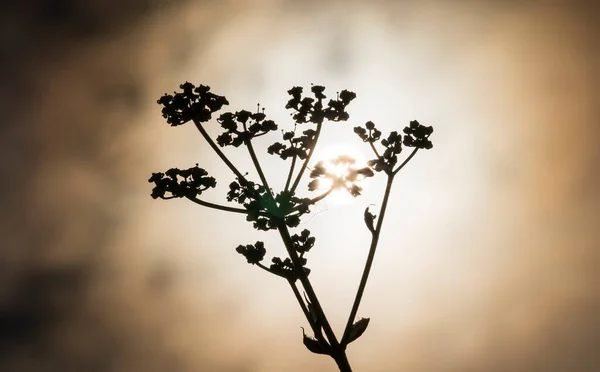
(313, 344)
(358, 329)
(369, 218)
(311, 311)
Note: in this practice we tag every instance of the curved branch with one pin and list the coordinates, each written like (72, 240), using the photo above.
(406, 161)
(217, 206)
(216, 148)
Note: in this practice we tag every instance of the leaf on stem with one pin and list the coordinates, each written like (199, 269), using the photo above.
(314, 345)
(311, 311)
(369, 219)
(358, 329)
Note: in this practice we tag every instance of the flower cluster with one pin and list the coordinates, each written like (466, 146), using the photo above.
(254, 253)
(298, 146)
(393, 147)
(369, 133)
(253, 125)
(312, 110)
(194, 103)
(181, 183)
(303, 242)
(340, 173)
(265, 211)
(285, 268)
(416, 135)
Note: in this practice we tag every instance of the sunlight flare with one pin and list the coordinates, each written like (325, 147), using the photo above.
(342, 168)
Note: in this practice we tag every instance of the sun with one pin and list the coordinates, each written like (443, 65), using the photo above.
(343, 169)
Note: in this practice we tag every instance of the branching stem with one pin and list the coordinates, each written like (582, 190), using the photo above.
(406, 161)
(216, 148)
(217, 206)
(310, 154)
(261, 175)
(290, 173)
(369, 262)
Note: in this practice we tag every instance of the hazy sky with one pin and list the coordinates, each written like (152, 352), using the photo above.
(489, 255)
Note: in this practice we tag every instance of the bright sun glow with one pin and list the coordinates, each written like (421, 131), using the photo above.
(340, 162)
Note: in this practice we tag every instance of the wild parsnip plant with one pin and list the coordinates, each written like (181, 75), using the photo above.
(267, 209)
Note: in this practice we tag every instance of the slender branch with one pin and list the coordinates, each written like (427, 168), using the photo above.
(375, 150)
(314, 326)
(287, 240)
(216, 148)
(217, 206)
(407, 160)
(256, 163)
(300, 301)
(257, 166)
(369, 262)
(264, 268)
(314, 200)
(289, 177)
(310, 154)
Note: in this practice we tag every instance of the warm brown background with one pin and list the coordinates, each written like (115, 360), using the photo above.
(488, 260)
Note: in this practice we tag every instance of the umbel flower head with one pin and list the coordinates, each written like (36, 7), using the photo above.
(194, 103)
(179, 183)
(339, 173)
(415, 135)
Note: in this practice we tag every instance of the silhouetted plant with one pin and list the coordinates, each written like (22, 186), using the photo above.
(282, 211)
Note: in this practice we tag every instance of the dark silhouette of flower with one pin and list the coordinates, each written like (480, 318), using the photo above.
(417, 135)
(194, 103)
(312, 110)
(181, 183)
(268, 210)
(253, 253)
(285, 268)
(297, 146)
(303, 242)
(254, 125)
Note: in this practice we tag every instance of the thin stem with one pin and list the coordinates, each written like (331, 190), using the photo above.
(369, 262)
(310, 154)
(406, 161)
(264, 268)
(375, 150)
(300, 302)
(257, 166)
(289, 177)
(338, 353)
(217, 206)
(315, 199)
(216, 148)
(315, 327)
(287, 240)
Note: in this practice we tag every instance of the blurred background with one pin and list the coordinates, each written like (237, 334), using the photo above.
(489, 255)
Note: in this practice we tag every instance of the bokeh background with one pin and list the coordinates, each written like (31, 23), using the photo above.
(489, 255)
